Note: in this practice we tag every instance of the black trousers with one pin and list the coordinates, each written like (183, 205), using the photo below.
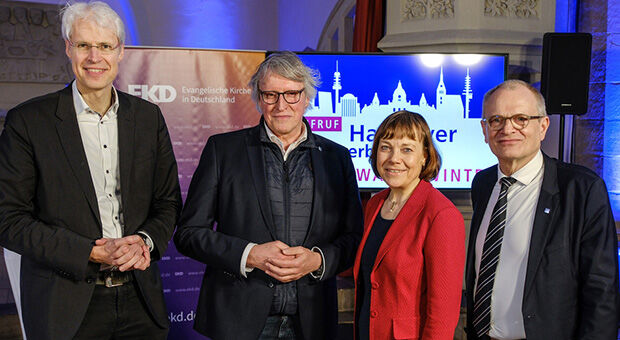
(118, 313)
(281, 327)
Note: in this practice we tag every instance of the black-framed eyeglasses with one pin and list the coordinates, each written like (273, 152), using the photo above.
(272, 97)
(84, 47)
(519, 121)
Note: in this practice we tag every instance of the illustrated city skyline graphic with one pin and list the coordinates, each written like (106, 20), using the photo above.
(345, 118)
(348, 104)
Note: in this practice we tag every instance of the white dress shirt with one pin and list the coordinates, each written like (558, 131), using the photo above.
(507, 296)
(100, 140)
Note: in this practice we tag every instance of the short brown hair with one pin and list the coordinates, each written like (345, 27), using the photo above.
(408, 124)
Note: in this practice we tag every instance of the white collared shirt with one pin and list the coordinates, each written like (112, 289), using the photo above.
(277, 141)
(507, 296)
(100, 140)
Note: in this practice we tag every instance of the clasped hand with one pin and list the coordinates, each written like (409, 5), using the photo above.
(282, 262)
(125, 253)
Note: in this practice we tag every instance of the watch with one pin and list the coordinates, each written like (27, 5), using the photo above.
(317, 274)
(147, 241)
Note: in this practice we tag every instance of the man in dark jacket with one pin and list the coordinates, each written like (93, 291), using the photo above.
(542, 259)
(274, 212)
(89, 195)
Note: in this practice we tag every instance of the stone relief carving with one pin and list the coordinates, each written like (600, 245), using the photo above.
(423, 9)
(526, 9)
(31, 46)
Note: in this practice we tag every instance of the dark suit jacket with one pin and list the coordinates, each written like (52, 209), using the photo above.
(228, 188)
(49, 212)
(417, 279)
(571, 283)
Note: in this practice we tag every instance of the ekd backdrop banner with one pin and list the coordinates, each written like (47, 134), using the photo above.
(201, 93)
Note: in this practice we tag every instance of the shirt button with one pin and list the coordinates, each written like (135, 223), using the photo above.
(105, 146)
(107, 171)
(89, 280)
(373, 314)
(375, 285)
(110, 195)
(116, 217)
(270, 284)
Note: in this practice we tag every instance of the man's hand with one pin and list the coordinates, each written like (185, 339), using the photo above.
(298, 262)
(261, 253)
(126, 253)
(145, 261)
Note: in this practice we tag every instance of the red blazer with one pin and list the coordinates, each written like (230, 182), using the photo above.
(417, 278)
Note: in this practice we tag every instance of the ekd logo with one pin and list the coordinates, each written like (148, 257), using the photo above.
(154, 93)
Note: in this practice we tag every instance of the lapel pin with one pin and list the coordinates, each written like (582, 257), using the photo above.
(320, 148)
(547, 210)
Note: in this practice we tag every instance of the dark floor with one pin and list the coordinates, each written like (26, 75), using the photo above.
(11, 330)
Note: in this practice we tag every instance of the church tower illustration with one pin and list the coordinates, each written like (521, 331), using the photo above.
(441, 91)
(399, 98)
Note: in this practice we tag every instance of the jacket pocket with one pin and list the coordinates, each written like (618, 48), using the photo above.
(41, 271)
(406, 328)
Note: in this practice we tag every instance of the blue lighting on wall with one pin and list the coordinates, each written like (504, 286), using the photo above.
(611, 141)
(565, 15)
(132, 35)
(200, 18)
(605, 61)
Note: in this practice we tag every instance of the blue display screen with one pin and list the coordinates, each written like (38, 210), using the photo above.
(359, 90)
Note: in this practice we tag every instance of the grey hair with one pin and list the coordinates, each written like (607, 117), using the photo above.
(288, 65)
(512, 84)
(98, 11)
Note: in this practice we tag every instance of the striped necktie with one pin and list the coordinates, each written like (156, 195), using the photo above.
(488, 262)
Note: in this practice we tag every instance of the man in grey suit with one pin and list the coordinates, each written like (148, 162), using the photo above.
(89, 195)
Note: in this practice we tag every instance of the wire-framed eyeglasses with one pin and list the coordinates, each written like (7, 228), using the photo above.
(519, 121)
(84, 47)
(272, 97)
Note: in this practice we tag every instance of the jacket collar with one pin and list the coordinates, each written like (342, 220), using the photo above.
(310, 141)
(544, 216)
(71, 142)
(412, 208)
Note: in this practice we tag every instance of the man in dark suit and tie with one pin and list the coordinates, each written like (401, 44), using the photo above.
(89, 195)
(274, 212)
(542, 259)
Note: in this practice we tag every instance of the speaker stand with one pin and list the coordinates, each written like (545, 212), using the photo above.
(561, 139)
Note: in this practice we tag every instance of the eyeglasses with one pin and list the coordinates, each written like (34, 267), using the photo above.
(104, 48)
(272, 97)
(519, 121)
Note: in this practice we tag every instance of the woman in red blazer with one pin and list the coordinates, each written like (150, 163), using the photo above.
(409, 266)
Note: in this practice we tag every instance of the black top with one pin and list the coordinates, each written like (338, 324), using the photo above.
(290, 191)
(377, 233)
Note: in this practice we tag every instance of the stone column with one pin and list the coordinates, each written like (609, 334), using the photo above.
(515, 27)
(589, 128)
(598, 132)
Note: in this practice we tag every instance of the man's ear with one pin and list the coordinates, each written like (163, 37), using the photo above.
(484, 131)
(68, 48)
(544, 126)
(121, 52)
